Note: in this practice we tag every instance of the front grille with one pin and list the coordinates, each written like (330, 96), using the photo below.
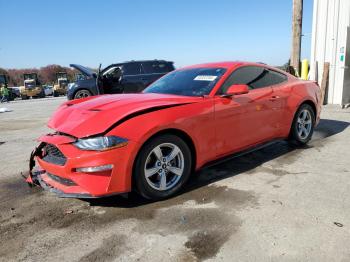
(53, 155)
(61, 180)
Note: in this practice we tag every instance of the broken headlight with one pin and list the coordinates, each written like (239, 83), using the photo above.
(101, 143)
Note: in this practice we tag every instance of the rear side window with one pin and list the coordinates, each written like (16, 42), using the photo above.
(276, 77)
(157, 67)
(253, 76)
(132, 69)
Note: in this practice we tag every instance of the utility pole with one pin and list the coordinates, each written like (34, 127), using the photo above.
(296, 34)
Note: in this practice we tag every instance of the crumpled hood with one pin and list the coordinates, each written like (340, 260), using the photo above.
(95, 115)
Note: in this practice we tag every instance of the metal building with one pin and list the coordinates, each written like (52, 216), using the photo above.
(331, 43)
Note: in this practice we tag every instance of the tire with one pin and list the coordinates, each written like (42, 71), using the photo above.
(55, 94)
(42, 94)
(24, 97)
(11, 97)
(152, 186)
(303, 125)
(82, 93)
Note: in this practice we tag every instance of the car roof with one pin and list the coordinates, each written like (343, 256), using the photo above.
(216, 64)
(233, 64)
(141, 61)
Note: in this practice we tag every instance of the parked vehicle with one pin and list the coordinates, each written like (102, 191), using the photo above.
(152, 142)
(48, 90)
(128, 77)
(13, 91)
(31, 87)
(61, 84)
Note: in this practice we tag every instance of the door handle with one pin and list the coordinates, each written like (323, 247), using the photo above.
(274, 98)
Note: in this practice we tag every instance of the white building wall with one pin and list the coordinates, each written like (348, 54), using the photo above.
(329, 34)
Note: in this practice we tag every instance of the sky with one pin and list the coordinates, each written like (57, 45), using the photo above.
(40, 32)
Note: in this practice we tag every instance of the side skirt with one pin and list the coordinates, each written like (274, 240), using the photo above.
(241, 153)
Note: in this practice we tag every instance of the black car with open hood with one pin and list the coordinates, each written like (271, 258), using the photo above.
(127, 77)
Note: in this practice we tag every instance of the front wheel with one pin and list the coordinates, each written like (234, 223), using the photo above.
(162, 167)
(303, 125)
(82, 93)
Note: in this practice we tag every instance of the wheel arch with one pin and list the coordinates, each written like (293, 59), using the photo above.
(310, 103)
(172, 131)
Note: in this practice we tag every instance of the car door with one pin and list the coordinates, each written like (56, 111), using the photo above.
(110, 80)
(131, 80)
(248, 119)
(281, 92)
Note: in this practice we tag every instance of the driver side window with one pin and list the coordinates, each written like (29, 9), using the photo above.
(254, 77)
(114, 72)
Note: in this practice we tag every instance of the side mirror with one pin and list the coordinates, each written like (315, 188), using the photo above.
(237, 90)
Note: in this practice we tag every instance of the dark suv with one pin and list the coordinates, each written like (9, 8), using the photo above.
(127, 77)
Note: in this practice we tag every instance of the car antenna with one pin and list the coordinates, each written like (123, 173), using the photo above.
(97, 78)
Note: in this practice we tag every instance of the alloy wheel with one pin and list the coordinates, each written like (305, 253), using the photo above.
(164, 166)
(304, 124)
(82, 94)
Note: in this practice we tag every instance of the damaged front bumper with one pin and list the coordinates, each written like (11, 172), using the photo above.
(35, 177)
(75, 174)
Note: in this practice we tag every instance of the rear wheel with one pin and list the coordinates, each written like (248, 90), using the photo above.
(303, 125)
(24, 97)
(162, 167)
(82, 93)
(55, 94)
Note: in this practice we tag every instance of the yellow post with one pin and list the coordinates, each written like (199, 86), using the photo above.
(304, 69)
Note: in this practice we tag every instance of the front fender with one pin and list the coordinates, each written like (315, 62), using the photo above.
(196, 120)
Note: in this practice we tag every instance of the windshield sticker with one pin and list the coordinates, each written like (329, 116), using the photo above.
(205, 78)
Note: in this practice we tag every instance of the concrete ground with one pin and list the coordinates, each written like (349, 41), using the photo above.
(276, 204)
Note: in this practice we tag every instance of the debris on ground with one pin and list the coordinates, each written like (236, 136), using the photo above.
(4, 110)
(338, 224)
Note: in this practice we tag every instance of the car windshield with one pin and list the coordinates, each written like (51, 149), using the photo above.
(187, 82)
(61, 75)
(29, 76)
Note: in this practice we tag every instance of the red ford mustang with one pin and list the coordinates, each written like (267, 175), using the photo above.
(151, 142)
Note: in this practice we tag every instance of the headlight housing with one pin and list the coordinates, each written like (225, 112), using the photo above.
(101, 143)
